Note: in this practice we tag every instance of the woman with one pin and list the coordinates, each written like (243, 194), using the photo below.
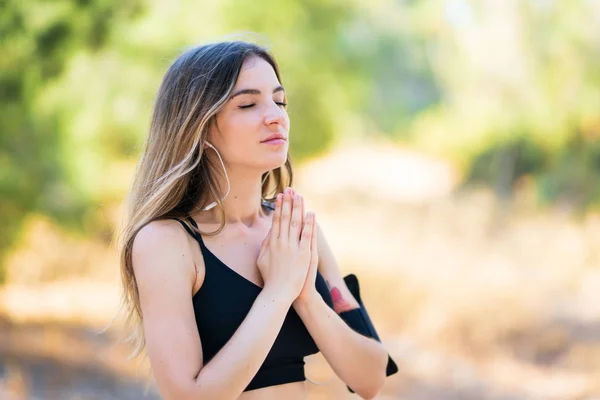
(226, 287)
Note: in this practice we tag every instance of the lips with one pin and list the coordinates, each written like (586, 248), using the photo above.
(275, 136)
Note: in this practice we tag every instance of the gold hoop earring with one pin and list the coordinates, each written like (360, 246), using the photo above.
(214, 203)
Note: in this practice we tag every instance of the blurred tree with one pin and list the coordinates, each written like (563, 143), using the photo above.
(38, 38)
(515, 74)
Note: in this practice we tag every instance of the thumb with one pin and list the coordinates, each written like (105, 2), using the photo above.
(265, 242)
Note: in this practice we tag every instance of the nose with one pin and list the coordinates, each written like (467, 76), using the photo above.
(275, 114)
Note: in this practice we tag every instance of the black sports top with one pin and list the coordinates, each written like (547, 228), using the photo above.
(223, 302)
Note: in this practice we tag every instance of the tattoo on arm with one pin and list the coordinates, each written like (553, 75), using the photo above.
(339, 303)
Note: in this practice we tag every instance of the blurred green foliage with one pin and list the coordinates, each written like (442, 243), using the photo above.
(521, 94)
(505, 88)
(38, 41)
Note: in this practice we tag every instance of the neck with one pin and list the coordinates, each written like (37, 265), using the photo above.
(243, 204)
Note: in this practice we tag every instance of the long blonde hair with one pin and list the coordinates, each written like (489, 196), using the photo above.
(173, 179)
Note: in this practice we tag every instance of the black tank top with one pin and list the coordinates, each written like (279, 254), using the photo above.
(223, 302)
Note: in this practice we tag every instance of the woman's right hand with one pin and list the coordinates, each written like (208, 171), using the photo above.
(284, 256)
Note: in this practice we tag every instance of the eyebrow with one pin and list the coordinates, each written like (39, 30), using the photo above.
(255, 91)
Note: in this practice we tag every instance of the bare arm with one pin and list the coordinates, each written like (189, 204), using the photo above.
(358, 360)
(165, 274)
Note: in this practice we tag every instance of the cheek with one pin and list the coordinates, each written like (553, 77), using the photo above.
(232, 125)
(244, 121)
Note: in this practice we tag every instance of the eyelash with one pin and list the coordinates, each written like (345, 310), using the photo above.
(251, 105)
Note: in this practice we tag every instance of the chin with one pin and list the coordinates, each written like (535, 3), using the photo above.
(277, 159)
(272, 166)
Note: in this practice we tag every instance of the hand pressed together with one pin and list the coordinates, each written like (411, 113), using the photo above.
(288, 252)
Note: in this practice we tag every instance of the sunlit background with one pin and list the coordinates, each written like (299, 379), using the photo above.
(450, 149)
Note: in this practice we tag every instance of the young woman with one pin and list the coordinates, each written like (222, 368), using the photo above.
(227, 288)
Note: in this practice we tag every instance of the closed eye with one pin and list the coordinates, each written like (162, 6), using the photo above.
(252, 105)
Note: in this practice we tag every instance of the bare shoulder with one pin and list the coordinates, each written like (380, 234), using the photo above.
(162, 248)
(157, 232)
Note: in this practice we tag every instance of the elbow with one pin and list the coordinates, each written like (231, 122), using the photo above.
(199, 386)
(373, 388)
(368, 394)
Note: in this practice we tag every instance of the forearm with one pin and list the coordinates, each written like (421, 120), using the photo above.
(358, 360)
(233, 367)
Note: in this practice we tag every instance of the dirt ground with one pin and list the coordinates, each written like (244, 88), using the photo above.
(473, 298)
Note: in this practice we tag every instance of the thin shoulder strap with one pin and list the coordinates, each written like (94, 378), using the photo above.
(191, 221)
(188, 230)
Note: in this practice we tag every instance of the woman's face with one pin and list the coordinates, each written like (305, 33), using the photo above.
(255, 111)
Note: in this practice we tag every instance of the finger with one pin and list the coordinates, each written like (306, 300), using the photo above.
(286, 214)
(296, 221)
(265, 242)
(307, 231)
(313, 243)
(303, 212)
(276, 222)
